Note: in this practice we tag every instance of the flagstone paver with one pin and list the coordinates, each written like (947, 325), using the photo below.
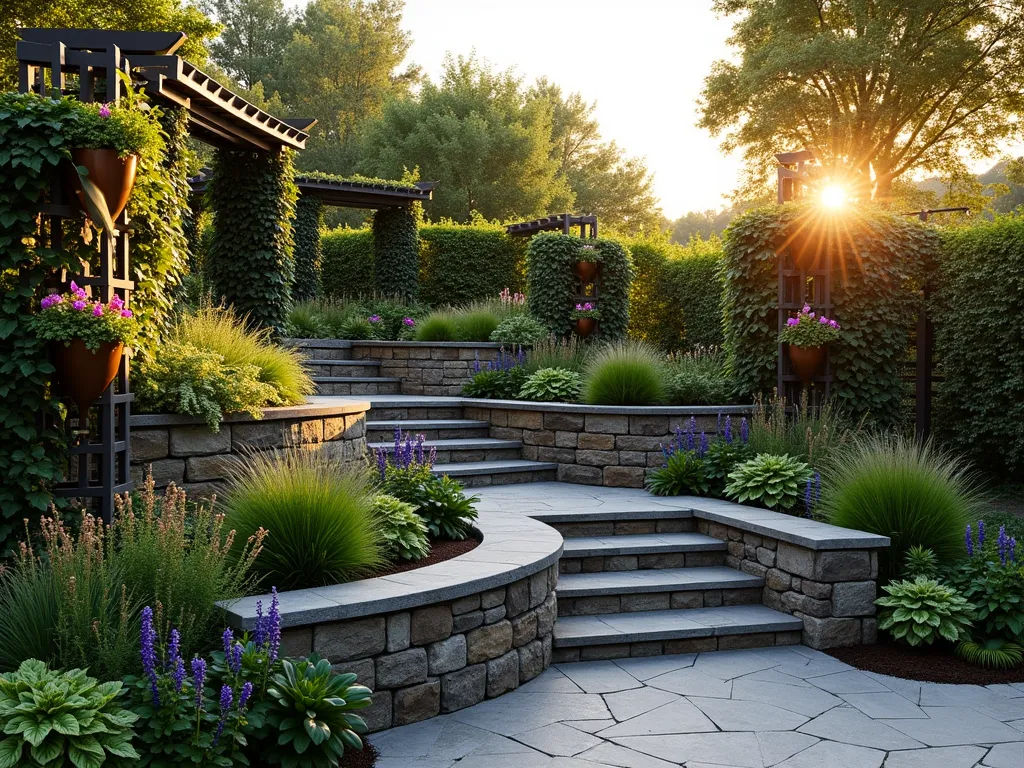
(789, 707)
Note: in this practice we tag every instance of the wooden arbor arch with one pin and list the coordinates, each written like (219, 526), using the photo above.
(82, 63)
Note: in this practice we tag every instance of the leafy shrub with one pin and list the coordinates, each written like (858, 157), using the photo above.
(698, 377)
(920, 561)
(309, 220)
(54, 719)
(684, 473)
(438, 326)
(348, 267)
(476, 325)
(920, 611)
(403, 531)
(460, 263)
(519, 329)
(776, 482)
(994, 653)
(993, 580)
(319, 514)
(551, 352)
(721, 459)
(626, 373)
(502, 378)
(896, 487)
(219, 330)
(182, 378)
(447, 511)
(552, 385)
(396, 251)
(326, 703)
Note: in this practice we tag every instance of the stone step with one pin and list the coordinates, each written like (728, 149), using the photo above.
(481, 473)
(653, 633)
(431, 429)
(322, 349)
(629, 551)
(341, 368)
(464, 450)
(587, 594)
(590, 523)
(356, 385)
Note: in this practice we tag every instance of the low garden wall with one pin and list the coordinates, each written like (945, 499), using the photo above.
(438, 368)
(184, 450)
(436, 639)
(596, 444)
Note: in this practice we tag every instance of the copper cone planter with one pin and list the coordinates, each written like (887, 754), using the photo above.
(585, 326)
(586, 271)
(807, 362)
(85, 374)
(114, 175)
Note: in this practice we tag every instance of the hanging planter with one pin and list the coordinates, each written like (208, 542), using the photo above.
(807, 338)
(585, 317)
(586, 267)
(112, 174)
(90, 338)
(585, 326)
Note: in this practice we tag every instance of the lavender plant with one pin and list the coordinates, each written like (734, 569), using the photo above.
(993, 579)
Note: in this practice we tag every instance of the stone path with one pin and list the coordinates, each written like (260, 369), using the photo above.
(791, 707)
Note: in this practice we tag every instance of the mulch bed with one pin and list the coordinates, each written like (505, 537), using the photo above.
(440, 550)
(933, 665)
(363, 758)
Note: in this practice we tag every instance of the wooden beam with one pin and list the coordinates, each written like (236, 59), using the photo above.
(100, 39)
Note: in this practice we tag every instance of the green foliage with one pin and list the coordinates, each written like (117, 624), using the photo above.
(396, 249)
(994, 653)
(721, 459)
(403, 531)
(182, 378)
(55, 718)
(407, 483)
(220, 331)
(438, 326)
(348, 268)
(624, 373)
(61, 321)
(549, 279)
(997, 589)
(551, 352)
(879, 260)
(896, 487)
(125, 129)
(616, 279)
(776, 482)
(313, 711)
(520, 329)
(28, 614)
(806, 432)
(309, 220)
(552, 385)
(979, 338)
(447, 511)
(809, 331)
(319, 513)
(253, 196)
(355, 328)
(918, 612)
(699, 377)
(476, 325)
(675, 298)
(684, 473)
(498, 384)
(920, 561)
(460, 263)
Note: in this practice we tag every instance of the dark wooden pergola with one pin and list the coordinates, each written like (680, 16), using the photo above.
(345, 193)
(83, 63)
(563, 222)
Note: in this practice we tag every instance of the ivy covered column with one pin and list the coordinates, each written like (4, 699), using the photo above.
(309, 221)
(252, 196)
(396, 249)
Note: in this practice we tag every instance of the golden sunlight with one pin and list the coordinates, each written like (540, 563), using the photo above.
(834, 196)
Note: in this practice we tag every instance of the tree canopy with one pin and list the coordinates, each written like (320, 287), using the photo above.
(877, 87)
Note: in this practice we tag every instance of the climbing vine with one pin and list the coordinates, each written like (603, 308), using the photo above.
(309, 220)
(396, 250)
(252, 195)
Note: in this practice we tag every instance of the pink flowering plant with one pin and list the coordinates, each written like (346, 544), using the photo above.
(809, 329)
(72, 315)
(130, 128)
(586, 311)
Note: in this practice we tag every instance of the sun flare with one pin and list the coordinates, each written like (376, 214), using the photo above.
(834, 196)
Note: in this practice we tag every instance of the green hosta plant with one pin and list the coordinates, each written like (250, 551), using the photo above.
(684, 473)
(777, 482)
(54, 719)
(447, 511)
(404, 531)
(920, 611)
(552, 384)
(313, 710)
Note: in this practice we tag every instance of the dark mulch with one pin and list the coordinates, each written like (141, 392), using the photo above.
(363, 758)
(934, 665)
(440, 550)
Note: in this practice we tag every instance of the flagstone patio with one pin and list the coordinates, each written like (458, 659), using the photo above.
(785, 706)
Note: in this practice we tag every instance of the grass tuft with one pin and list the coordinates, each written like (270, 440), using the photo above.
(438, 326)
(625, 373)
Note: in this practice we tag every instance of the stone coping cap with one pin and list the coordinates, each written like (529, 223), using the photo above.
(321, 406)
(334, 343)
(424, 344)
(512, 547)
(430, 401)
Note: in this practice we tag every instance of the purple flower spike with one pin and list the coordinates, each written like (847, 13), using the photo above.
(235, 660)
(226, 700)
(703, 444)
(178, 674)
(243, 698)
(1003, 543)
(1011, 550)
(969, 541)
(981, 533)
(147, 650)
(174, 648)
(198, 680)
(259, 635)
(228, 638)
(728, 429)
(275, 625)
(744, 430)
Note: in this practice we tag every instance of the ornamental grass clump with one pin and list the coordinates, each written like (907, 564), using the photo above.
(552, 352)
(318, 514)
(911, 492)
(439, 326)
(624, 373)
(921, 611)
(476, 324)
(698, 377)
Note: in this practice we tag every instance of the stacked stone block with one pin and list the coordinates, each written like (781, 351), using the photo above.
(426, 369)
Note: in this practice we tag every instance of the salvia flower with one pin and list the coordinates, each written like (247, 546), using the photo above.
(1002, 542)
(226, 700)
(178, 674)
(228, 638)
(259, 634)
(981, 533)
(174, 647)
(198, 679)
(243, 697)
(147, 650)
(703, 444)
(969, 541)
(274, 618)
(728, 429)
(235, 659)
(744, 430)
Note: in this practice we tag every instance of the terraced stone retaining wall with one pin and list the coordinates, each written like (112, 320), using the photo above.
(183, 450)
(427, 368)
(595, 445)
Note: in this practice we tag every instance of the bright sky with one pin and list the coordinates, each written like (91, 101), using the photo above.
(643, 61)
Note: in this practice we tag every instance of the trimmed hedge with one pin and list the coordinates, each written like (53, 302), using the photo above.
(347, 263)
(882, 259)
(676, 296)
(309, 220)
(979, 343)
(460, 263)
(396, 252)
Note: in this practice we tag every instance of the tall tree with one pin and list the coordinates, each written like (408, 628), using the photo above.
(341, 66)
(478, 133)
(252, 42)
(877, 87)
(146, 15)
(619, 189)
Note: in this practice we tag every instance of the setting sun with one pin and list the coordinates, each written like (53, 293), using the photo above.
(834, 196)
